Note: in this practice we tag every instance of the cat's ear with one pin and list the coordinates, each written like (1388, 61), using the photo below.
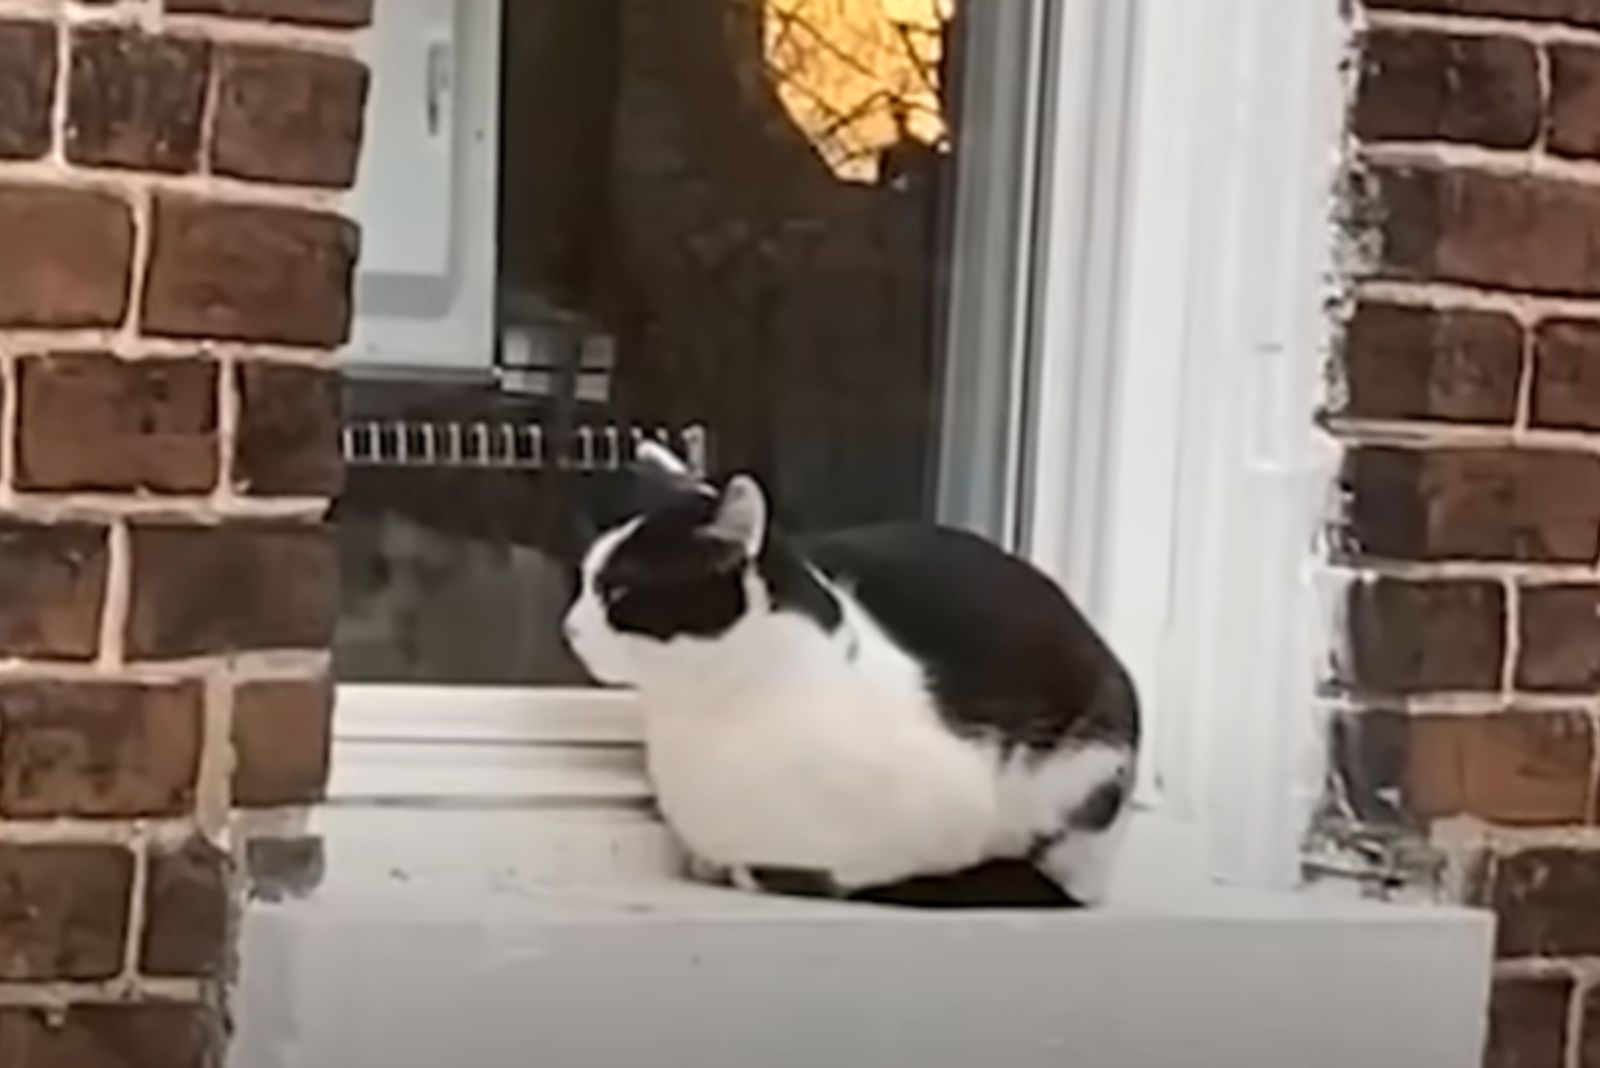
(742, 515)
(660, 477)
(661, 460)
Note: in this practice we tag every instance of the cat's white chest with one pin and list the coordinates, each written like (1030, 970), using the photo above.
(834, 773)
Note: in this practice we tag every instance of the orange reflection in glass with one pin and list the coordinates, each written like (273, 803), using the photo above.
(858, 75)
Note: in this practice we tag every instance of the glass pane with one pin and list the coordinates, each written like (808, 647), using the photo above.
(727, 222)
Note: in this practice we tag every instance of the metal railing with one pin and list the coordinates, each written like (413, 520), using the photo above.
(510, 445)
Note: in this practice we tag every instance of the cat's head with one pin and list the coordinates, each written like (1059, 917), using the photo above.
(673, 577)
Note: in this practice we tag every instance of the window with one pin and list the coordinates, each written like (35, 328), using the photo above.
(1000, 265)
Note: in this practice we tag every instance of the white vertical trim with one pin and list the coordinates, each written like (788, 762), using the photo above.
(1271, 279)
(1179, 337)
(1076, 278)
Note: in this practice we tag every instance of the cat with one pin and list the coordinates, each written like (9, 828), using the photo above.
(903, 713)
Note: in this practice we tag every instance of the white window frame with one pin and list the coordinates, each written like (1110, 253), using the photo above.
(1178, 489)
(1172, 344)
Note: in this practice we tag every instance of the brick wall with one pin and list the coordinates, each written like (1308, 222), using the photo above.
(173, 272)
(1470, 411)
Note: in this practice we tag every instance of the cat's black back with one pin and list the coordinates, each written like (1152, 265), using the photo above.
(1007, 654)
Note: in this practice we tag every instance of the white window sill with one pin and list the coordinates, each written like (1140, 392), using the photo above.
(497, 892)
(500, 935)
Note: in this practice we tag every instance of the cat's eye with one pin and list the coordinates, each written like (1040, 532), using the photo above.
(610, 595)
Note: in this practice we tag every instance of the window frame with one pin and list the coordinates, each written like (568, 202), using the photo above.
(1135, 200)
(1230, 105)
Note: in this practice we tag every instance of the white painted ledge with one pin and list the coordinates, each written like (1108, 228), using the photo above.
(501, 938)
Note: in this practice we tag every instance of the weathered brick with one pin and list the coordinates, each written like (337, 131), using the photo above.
(346, 13)
(135, 100)
(150, 1034)
(251, 273)
(80, 252)
(98, 748)
(1573, 128)
(188, 907)
(202, 590)
(1401, 770)
(95, 422)
(282, 732)
(52, 584)
(1408, 637)
(1560, 638)
(1545, 899)
(1528, 1023)
(1566, 385)
(63, 910)
(1582, 12)
(1514, 768)
(288, 116)
(27, 82)
(1498, 504)
(1424, 86)
(288, 435)
(1418, 363)
(1507, 231)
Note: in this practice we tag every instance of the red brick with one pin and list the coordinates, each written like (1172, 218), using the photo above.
(1528, 1023)
(52, 585)
(1432, 86)
(1505, 231)
(188, 911)
(94, 422)
(288, 116)
(347, 13)
(1488, 504)
(1514, 768)
(27, 82)
(1408, 637)
(207, 590)
(136, 100)
(288, 436)
(80, 250)
(98, 748)
(1582, 12)
(1566, 385)
(63, 911)
(150, 1034)
(251, 273)
(1545, 899)
(281, 737)
(1560, 638)
(1574, 129)
(1418, 363)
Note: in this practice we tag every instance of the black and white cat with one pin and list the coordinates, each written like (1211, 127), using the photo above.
(898, 713)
